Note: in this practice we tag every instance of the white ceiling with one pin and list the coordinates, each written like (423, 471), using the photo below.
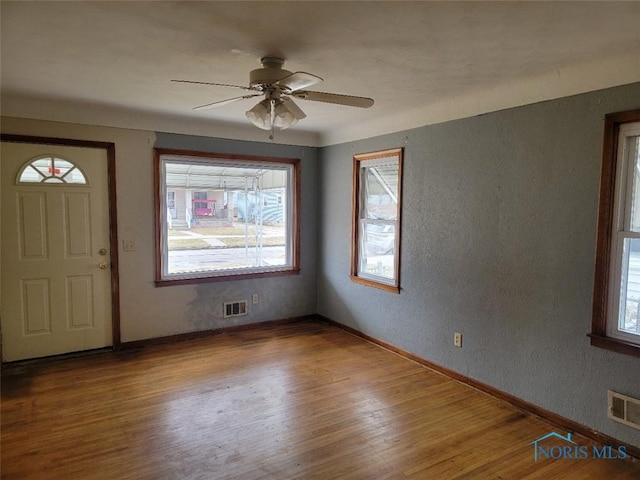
(110, 63)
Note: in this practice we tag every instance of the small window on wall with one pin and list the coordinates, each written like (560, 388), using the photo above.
(212, 223)
(50, 170)
(375, 245)
(616, 299)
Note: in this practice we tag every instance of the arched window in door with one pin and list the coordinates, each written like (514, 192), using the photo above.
(51, 169)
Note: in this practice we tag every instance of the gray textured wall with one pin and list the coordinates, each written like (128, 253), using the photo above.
(498, 242)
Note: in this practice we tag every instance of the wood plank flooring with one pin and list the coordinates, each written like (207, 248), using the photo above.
(297, 401)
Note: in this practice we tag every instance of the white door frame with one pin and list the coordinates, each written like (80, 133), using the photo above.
(110, 149)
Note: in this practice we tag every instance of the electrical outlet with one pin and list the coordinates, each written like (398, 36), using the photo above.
(457, 339)
(255, 298)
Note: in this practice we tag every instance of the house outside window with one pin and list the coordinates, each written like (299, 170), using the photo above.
(616, 307)
(171, 203)
(200, 205)
(377, 193)
(224, 226)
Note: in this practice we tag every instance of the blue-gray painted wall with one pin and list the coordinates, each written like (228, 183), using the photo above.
(498, 241)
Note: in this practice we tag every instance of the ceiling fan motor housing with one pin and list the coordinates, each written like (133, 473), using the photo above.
(270, 72)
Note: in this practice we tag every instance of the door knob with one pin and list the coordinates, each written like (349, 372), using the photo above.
(103, 266)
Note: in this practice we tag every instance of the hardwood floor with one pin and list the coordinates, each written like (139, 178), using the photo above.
(297, 401)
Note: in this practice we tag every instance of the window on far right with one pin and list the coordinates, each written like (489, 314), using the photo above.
(616, 299)
(377, 194)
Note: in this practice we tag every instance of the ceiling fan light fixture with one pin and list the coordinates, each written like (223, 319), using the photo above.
(260, 115)
(283, 118)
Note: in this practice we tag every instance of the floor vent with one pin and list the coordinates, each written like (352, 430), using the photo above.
(235, 309)
(624, 409)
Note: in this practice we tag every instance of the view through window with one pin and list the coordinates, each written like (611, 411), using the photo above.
(376, 217)
(225, 217)
(626, 242)
(616, 304)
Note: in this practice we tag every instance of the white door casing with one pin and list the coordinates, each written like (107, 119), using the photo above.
(55, 286)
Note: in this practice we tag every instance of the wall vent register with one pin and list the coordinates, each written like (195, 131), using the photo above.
(235, 309)
(624, 409)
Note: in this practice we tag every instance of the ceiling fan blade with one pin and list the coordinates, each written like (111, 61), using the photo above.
(214, 84)
(225, 102)
(293, 108)
(349, 100)
(298, 80)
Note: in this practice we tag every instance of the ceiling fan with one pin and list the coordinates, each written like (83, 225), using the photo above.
(279, 87)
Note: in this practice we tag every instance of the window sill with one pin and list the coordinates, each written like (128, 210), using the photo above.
(224, 278)
(374, 284)
(619, 346)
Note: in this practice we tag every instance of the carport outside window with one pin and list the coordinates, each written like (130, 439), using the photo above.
(219, 217)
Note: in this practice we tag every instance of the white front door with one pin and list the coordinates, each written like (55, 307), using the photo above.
(55, 286)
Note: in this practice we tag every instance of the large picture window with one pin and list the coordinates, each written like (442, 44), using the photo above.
(377, 191)
(219, 217)
(616, 309)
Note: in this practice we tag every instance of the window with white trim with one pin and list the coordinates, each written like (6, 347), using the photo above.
(616, 319)
(222, 225)
(377, 191)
